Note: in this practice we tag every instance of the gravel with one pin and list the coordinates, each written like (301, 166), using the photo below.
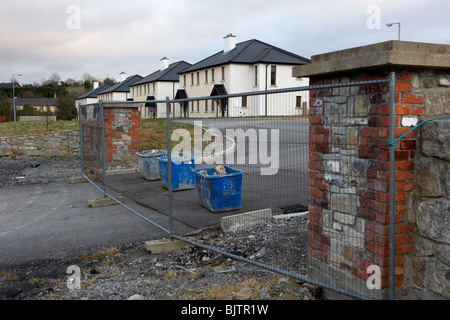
(37, 171)
(130, 272)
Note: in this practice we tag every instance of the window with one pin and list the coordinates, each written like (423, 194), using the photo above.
(213, 76)
(256, 76)
(244, 101)
(223, 73)
(212, 105)
(206, 105)
(206, 76)
(298, 102)
(154, 87)
(184, 80)
(273, 75)
(192, 105)
(192, 79)
(198, 77)
(198, 106)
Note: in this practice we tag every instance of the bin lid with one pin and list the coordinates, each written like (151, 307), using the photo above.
(151, 153)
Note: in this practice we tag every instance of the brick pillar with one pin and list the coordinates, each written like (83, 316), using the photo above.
(121, 133)
(349, 177)
(348, 225)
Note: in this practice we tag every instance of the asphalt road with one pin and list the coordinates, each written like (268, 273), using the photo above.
(54, 221)
(284, 191)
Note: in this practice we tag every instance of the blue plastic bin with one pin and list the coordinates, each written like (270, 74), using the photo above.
(182, 176)
(149, 164)
(219, 193)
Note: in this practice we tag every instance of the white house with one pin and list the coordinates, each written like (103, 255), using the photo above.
(158, 86)
(92, 95)
(248, 66)
(119, 91)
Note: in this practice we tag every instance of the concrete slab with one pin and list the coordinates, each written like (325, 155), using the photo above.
(122, 171)
(108, 173)
(165, 245)
(389, 53)
(103, 202)
(234, 222)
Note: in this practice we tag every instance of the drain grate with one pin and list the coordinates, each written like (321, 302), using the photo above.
(293, 208)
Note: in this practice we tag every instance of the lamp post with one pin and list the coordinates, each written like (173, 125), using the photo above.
(391, 24)
(14, 95)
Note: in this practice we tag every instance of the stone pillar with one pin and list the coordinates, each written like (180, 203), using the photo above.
(121, 133)
(349, 161)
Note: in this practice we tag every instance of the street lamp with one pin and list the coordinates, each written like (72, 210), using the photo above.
(391, 24)
(14, 95)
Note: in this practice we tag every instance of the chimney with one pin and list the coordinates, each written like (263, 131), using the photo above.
(164, 63)
(95, 85)
(229, 43)
(123, 76)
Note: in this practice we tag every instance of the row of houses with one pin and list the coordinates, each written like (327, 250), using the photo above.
(247, 66)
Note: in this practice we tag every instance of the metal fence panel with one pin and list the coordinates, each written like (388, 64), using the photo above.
(266, 137)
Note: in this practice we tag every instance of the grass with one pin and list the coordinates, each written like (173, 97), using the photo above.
(20, 128)
(152, 132)
(110, 252)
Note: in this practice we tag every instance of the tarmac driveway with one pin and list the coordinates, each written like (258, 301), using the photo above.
(54, 221)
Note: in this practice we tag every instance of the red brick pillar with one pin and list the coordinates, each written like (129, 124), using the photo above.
(121, 132)
(349, 176)
(348, 225)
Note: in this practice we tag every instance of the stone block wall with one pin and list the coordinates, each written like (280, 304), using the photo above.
(429, 264)
(349, 170)
(52, 144)
(349, 183)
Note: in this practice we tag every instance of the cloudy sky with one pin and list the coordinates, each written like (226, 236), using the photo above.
(103, 38)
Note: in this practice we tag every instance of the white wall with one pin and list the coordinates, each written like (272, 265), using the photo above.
(242, 79)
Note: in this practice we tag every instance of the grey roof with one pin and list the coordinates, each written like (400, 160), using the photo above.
(250, 52)
(41, 102)
(170, 74)
(123, 86)
(94, 92)
(9, 85)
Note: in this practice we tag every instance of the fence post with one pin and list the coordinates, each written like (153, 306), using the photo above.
(103, 155)
(169, 163)
(391, 186)
(80, 122)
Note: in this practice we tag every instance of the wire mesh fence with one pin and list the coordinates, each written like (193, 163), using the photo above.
(292, 177)
(91, 137)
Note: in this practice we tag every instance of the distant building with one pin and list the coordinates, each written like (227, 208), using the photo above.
(157, 86)
(5, 85)
(40, 104)
(92, 95)
(119, 91)
(244, 67)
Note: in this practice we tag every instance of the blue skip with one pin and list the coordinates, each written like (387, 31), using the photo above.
(219, 192)
(182, 176)
(149, 164)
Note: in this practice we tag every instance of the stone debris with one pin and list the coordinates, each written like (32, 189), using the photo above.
(187, 273)
(220, 170)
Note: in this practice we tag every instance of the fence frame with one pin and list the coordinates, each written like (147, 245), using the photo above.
(390, 82)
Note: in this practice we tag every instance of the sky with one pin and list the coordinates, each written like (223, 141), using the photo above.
(104, 38)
